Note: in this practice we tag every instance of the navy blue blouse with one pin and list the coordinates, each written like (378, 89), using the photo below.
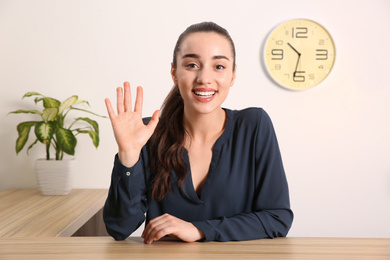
(245, 195)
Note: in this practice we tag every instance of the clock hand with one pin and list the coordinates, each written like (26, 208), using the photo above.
(294, 49)
(299, 57)
(296, 67)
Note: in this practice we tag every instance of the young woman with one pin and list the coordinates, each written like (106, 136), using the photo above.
(200, 172)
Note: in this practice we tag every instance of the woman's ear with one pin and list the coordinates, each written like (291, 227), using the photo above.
(173, 74)
(233, 76)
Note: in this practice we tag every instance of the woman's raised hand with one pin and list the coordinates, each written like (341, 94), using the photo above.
(131, 134)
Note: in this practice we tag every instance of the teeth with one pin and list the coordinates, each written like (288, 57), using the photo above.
(205, 94)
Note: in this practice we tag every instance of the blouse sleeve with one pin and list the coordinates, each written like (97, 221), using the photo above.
(271, 216)
(126, 204)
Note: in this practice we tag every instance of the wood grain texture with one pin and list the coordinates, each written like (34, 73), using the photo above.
(134, 248)
(26, 213)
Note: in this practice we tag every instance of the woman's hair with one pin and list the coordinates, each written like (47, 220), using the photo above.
(203, 27)
(166, 146)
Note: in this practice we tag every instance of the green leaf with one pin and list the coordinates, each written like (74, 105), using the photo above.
(94, 136)
(66, 140)
(67, 103)
(50, 114)
(26, 112)
(29, 94)
(23, 131)
(36, 141)
(93, 123)
(75, 108)
(51, 102)
(81, 101)
(44, 131)
(37, 99)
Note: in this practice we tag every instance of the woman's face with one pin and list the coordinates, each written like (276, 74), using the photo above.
(204, 71)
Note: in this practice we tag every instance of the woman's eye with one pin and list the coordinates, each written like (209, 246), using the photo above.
(219, 67)
(191, 65)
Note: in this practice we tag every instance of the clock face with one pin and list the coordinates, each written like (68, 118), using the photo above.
(299, 54)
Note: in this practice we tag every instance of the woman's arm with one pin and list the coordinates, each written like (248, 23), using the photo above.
(126, 203)
(125, 207)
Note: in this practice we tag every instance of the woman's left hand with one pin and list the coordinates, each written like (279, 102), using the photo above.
(168, 225)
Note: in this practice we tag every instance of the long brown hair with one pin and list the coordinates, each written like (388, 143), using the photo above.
(167, 142)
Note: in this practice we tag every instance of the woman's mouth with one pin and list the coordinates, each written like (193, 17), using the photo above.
(204, 94)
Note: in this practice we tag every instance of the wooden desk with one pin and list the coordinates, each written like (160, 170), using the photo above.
(26, 213)
(134, 248)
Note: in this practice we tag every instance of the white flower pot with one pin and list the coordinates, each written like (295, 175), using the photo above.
(54, 176)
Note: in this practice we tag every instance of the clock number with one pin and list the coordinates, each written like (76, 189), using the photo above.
(278, 53)
(299, 32)
(299, 78)
(322, 54)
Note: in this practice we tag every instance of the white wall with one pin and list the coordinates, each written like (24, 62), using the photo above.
(334, 137)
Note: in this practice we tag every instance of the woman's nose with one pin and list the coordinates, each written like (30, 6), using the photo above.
(204, 76)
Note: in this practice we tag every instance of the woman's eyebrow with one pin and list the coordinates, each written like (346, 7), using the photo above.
(190, 55)
(218, 57)
(196, 56)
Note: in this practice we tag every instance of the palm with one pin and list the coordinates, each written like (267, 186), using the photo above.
(130, 132)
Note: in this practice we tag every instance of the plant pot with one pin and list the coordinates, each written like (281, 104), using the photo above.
(54, 177)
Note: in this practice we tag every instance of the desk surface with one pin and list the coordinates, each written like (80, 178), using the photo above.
(26, 213)
(134, 248)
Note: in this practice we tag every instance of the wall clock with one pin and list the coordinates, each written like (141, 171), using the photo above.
(299, 54)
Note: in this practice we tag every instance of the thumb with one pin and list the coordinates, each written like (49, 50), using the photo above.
(154, 121)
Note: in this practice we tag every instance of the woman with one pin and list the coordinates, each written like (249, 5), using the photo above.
(200, 172)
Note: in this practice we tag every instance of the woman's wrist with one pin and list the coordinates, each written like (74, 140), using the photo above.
(200, 234)
(128, 158)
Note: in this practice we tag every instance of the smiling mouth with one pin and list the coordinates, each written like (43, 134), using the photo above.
(205, 94)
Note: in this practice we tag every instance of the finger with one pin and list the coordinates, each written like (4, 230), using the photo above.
(110, 110)
(151, 225)
(127, 99)
(158, 232)
(163, 231)
(119, 100)
(147, 231)
(154, 121)
(139, 100)
(159, 227)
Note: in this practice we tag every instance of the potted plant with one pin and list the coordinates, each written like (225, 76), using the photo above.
(54, 174)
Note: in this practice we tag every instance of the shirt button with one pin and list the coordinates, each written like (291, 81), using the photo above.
(128, 173)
